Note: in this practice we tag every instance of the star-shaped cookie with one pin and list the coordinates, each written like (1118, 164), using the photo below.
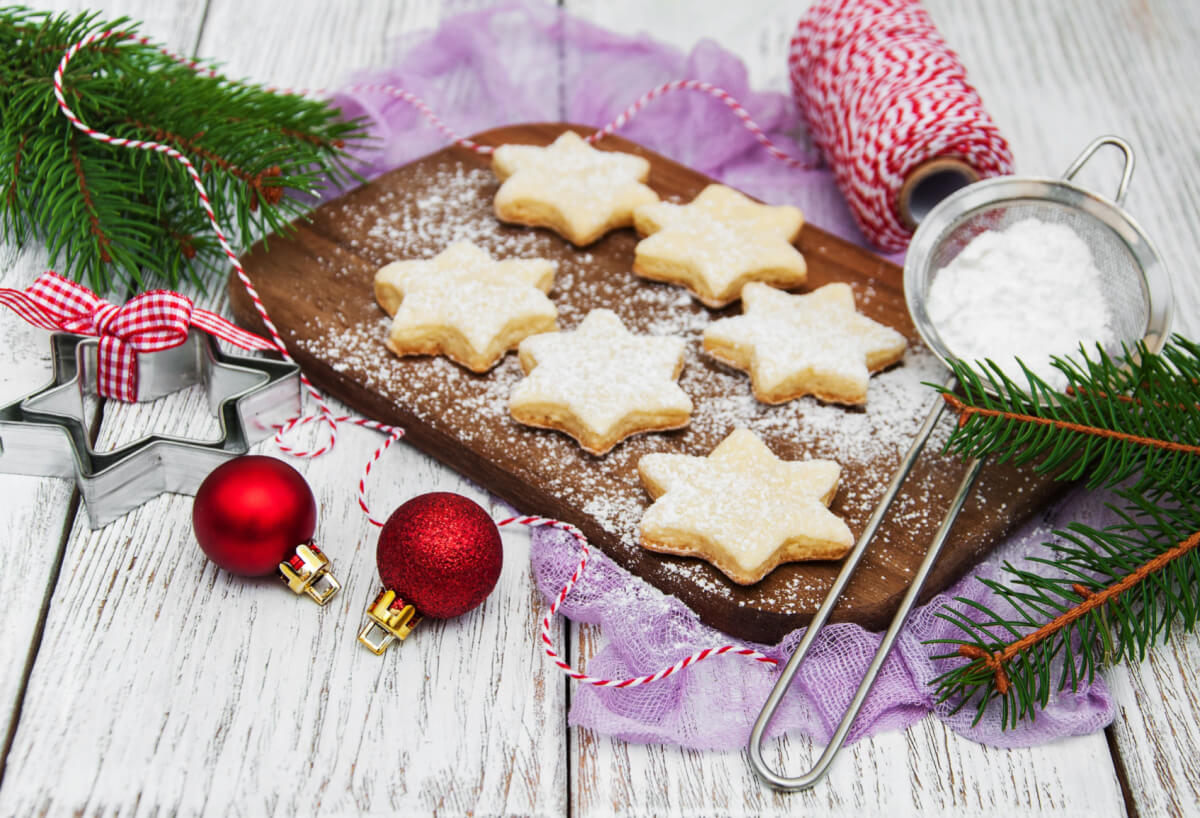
(601, 383)
(742, 508)
(813, 344)
(717, 243)
(570, 187)
(465, 305)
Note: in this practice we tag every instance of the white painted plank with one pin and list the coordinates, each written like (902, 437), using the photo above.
(1114, 67)
(33, 511)
(1156, 731)
(255, 702)
(926, 770)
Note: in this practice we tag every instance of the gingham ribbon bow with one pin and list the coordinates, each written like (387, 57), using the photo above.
(150, 322)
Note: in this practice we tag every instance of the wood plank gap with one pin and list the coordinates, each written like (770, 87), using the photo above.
(565, 629)
(200, 29)
(1110, 737)
(39, 628)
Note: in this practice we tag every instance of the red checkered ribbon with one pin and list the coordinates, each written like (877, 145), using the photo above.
(151, 322)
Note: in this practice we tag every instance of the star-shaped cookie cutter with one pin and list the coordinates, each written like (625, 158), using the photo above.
(45, 433)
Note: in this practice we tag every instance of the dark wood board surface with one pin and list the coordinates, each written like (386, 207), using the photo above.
(317, 286)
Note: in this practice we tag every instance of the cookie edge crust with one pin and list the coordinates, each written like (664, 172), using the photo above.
(552, 417)
(790, 552)
(528, 213)
(448, 341)
(683, 274)
(742, 359)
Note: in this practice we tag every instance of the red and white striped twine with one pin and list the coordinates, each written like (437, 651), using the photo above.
(698, 656)
(883, 93)
(394, 433)
(202, 194)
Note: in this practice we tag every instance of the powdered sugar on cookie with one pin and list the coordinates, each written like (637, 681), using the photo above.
(570, 187)
(465, 305)
(601, 383)
(742, 508)
(718, 243)
(813, 344)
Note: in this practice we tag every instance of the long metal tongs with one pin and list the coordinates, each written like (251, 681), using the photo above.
(810, 778)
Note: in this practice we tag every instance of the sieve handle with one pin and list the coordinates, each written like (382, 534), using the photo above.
(1095, 145)
(810, 778)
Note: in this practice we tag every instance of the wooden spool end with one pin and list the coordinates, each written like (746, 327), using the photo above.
(930, 182)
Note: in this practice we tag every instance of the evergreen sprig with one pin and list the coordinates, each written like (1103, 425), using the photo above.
(115, 216)
(1132, 425)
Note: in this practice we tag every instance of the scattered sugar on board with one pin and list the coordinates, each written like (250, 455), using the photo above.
(474, 407)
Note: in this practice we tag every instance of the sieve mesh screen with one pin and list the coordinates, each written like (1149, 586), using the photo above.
(1123, 286)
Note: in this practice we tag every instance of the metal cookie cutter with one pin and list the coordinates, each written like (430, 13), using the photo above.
(45, 434)
(1137, 289)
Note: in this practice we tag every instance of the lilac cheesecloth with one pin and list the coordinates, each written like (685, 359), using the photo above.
(524, 62)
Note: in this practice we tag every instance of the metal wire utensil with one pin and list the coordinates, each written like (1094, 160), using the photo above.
(1138, 291)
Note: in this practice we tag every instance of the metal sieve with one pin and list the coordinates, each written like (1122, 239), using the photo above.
(1137, 290)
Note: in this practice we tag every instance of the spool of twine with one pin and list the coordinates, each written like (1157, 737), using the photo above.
(889, 105)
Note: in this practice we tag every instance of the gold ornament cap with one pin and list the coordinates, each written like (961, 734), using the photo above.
(308, 572)
(389, 619)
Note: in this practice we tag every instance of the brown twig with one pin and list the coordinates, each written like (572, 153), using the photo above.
(1079, 390)
(89, 205)
(996, 660)
(965, 413)
(272, 194)
(12, 189)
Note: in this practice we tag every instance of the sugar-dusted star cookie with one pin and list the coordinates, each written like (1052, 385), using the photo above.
(717, 243)
(601, 383)
(742, 508)
(570, 187)
(465, 305)
(813, 344)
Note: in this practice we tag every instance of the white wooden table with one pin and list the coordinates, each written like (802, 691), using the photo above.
(139, 680)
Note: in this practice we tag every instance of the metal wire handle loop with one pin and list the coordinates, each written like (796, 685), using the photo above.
(1095, 145)
(818, 771)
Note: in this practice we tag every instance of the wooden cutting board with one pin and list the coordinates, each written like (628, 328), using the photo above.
(317, 286)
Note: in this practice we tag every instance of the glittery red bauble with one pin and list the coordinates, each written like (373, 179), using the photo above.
(440, 553)
(251, 513)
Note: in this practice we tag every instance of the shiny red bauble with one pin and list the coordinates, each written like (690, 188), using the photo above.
(251, 513)
(440, 553)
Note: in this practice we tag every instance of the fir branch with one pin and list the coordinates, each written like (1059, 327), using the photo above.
(118, 216)
(1113, 592)
(1084, 430)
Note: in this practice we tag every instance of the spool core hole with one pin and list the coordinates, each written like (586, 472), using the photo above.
(929, 183)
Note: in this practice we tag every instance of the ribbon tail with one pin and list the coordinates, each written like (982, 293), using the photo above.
(29, 309)
(214, 324)
(116, 370)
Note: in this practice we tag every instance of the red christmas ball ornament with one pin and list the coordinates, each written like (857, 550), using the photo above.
(255, 516)
(439, 555)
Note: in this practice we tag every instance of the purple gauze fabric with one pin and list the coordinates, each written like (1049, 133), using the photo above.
(524, 62)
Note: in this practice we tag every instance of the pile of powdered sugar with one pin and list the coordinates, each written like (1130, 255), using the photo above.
(1029, 292)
